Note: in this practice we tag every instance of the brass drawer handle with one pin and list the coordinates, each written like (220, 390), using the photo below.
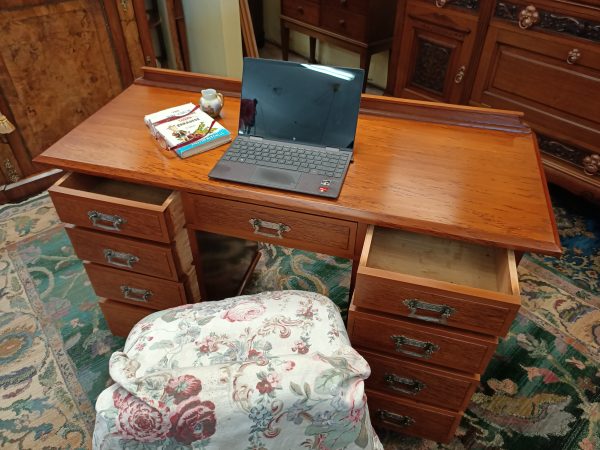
(440, 3)
(136, 294)
(279, 228)
(573, 56)
(396, 419)
(460, 74)
(128, 259)
(429, 348)
(413, 304)
(115, 221)
(528, 17)
(413, 386)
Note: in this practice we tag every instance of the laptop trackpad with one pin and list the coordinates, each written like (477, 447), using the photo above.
(275, 178)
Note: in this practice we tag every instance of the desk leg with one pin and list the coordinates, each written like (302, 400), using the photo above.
(285, 41)
(365, 62)
(313, 49)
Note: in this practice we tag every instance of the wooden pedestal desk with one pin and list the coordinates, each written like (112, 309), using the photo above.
(435, 205)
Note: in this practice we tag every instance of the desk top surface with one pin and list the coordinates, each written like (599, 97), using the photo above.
(467, 183)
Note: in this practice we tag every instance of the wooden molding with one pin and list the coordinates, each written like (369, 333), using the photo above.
(248, 38)
(29, 186)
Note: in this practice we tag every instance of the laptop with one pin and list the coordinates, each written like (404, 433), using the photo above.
(296, 128)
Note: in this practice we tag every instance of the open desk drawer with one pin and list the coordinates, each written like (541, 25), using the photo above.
(438, 280)
(118, 207)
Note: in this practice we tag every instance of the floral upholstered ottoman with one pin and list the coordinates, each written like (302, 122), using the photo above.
(267, 371)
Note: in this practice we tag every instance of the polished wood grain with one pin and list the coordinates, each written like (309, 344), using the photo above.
(154, 259)
(479, 283)
(466, 352)
(420, 383)
(450, 180)
(121, 317)
(306, 231)
(109, 282)
(426, 421)
(146, 212)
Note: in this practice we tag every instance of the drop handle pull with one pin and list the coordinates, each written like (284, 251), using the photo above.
(278, 228)
(427, 348)
(395, 419)
(404, 385)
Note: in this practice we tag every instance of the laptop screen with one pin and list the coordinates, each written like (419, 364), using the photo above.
(305, 103)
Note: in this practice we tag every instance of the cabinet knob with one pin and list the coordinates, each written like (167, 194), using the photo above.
(591, 165)
(460, 74)
(300, 9)
(573, 56)
(343, 2)
(342, 23)
(440, 3)
(528, 17)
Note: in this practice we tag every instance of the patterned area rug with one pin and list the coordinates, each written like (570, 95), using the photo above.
(541, 390)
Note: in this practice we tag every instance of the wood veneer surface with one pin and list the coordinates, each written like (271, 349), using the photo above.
(456, 181)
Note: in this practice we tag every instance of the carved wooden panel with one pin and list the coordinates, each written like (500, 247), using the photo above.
(431, 65)
(586, 160)
(57, 66)
(550, 21)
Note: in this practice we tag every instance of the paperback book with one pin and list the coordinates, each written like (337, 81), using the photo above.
(186, 130)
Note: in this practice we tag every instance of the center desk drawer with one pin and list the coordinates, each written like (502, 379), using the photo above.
(278, 226)
(118, 207)
(462, 351)
(438, 280)
(148, 258)
(136, 289)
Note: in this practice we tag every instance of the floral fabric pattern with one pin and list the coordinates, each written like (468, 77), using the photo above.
(265, 371)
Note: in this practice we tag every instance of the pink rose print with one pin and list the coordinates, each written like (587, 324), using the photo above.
(183, 387)
(301, 347)
(289, 365)
(209, 344)
(254, 353)
(193, 421)
(244, 311)
(140, 421)
(264, 387)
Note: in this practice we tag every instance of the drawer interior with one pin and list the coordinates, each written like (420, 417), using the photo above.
(118, 189)
(440, 259)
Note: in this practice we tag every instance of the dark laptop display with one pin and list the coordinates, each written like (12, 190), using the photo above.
(297, 126)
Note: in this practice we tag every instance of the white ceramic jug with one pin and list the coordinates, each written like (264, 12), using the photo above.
(211, 102)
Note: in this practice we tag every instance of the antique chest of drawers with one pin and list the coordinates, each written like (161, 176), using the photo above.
(439, 307)
(362, 26)
(134, 244)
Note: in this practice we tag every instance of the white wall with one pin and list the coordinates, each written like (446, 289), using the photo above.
(214, 36)
(326, 54)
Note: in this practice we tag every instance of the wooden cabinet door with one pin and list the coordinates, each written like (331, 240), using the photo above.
(554, 80)
(435, 53)
(57, 66)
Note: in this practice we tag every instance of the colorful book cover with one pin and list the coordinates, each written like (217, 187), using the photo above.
(187, 131)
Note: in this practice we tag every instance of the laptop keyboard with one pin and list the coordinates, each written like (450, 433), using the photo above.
(286, 156)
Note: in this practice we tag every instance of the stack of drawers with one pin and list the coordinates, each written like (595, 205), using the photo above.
(361, 20)
(426, 315)
(134, 244)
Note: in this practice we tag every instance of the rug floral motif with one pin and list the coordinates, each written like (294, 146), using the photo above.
(54, 344)
(540, 391)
